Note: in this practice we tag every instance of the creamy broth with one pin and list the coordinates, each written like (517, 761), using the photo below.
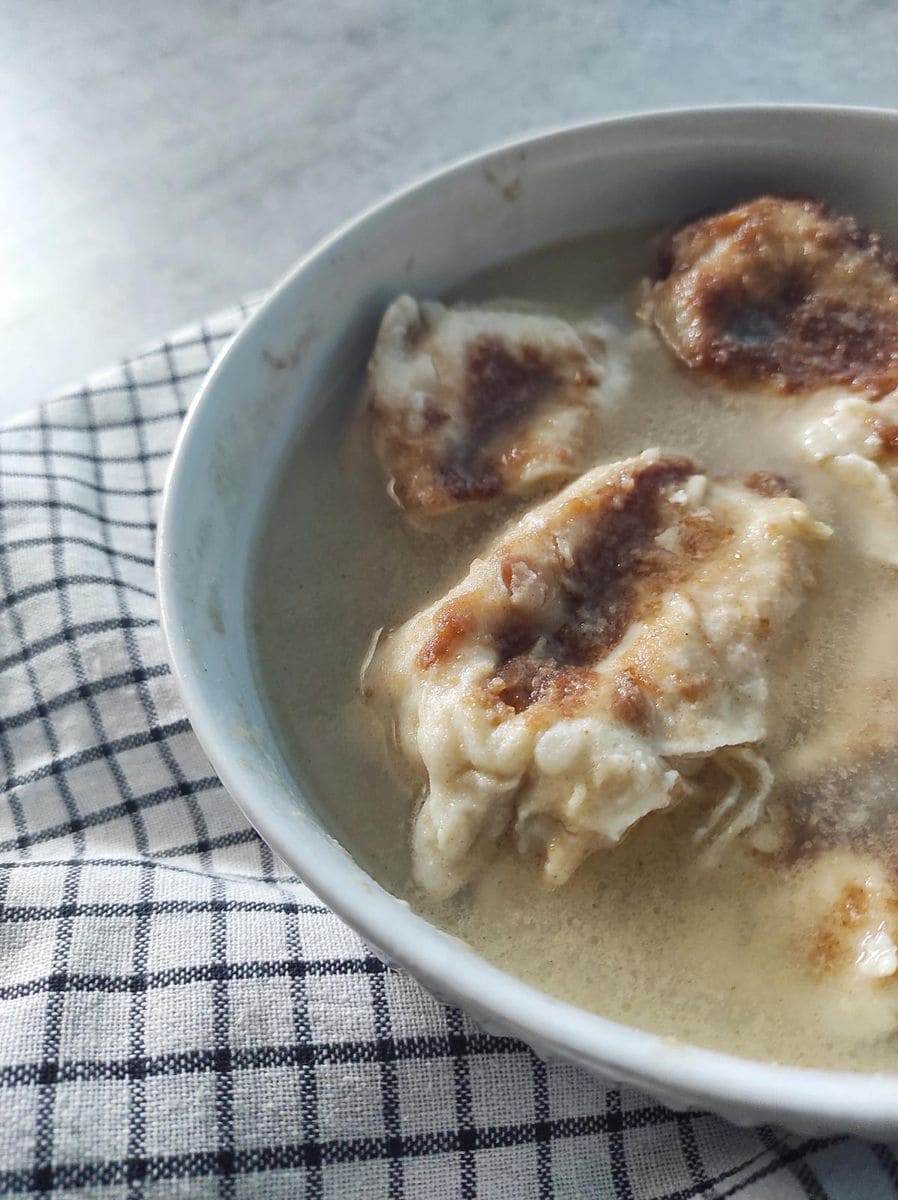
(715, 955)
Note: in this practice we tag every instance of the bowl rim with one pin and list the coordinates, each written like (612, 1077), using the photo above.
(837, 1099)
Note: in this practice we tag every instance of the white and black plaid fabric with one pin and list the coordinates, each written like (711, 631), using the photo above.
(178, 1014)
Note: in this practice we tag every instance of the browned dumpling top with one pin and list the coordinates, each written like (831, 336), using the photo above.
(471, 404)
(783, 294)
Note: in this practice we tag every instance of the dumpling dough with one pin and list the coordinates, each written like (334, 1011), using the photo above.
(852, 904)
(835, 915)
(858, 441)
(468, 404)
(842, 913)
(595, 660)
(782, 294)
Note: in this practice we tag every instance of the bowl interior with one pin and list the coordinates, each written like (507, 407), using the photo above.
(314, 333)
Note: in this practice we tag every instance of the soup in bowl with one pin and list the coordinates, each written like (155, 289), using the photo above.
(528, 564)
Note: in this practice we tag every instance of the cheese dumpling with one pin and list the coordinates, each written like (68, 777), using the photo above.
(607, 657)
(780, 294)
(471, 404)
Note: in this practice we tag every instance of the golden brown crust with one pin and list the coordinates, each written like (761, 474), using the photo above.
(850, 909)
(783, 294)
(765, 483)
(521, 682)
(886, 436)
(630, 702)
(615, 575)
(467, 405)
(502, 389)
(453, 623)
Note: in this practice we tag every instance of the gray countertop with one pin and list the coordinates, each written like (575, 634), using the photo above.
(162, 160)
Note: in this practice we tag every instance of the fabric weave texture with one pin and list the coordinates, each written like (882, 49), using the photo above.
(179, 1015)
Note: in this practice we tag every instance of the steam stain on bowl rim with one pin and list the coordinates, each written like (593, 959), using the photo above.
(507, 178)
(294, 356)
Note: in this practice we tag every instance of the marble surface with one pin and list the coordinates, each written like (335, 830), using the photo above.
(163, 160)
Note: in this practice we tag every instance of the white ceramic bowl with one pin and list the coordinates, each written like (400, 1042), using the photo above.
(318, 326)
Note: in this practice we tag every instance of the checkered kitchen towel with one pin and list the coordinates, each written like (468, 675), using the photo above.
(178, 1014)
